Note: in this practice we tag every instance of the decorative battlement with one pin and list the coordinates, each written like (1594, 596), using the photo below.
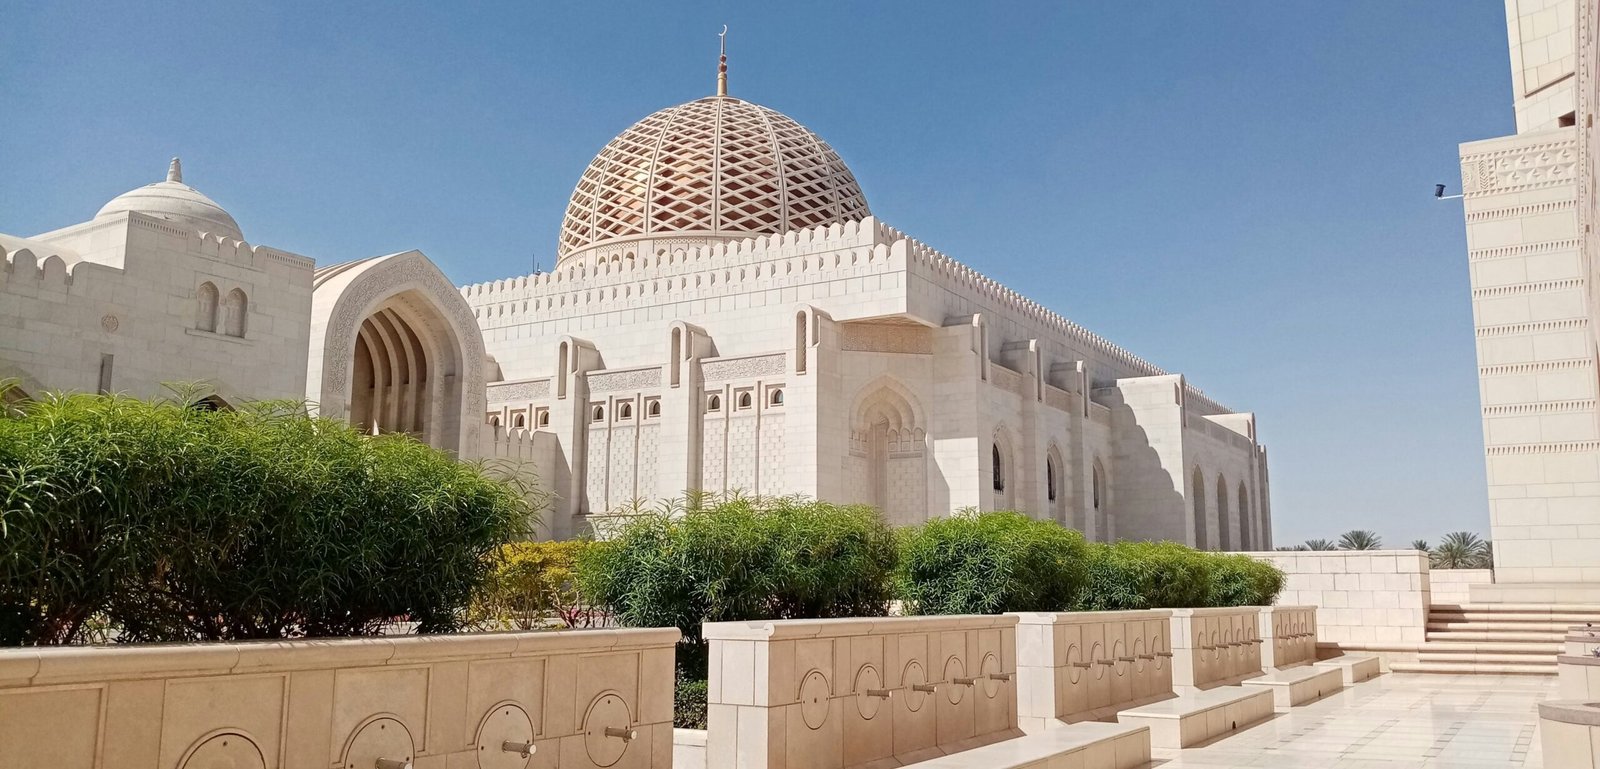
(51, 271)
(220, 246)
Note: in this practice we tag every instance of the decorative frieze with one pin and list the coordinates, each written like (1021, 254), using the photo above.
(884, 337)
(743, 368)
(1528, 288)
(636, 379)
(1512, 329)
(1548, 407)
(1520, 168)
(1571, 364)
(1526, 249)
(500, 392)
(1570, 447)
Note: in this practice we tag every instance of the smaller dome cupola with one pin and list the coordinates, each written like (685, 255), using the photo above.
(175, 202)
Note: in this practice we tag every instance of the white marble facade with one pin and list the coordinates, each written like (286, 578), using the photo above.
(1529, 208)
(727, 316)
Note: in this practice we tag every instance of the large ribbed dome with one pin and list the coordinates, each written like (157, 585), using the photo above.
(178, 203)
(714, 169)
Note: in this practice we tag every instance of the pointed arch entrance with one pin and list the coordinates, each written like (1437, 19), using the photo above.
(399, 351)
(887, 466)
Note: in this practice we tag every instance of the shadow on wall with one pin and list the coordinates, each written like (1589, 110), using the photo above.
(1145, 498)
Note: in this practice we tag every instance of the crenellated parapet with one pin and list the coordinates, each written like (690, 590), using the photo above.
(51, 272)
(220, 247)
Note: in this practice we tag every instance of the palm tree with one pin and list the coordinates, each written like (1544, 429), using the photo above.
(1420, 544)
(1319, 544)
(1359, 539)
(1460, 550)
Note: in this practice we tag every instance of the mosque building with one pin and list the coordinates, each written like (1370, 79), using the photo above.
(726, 316)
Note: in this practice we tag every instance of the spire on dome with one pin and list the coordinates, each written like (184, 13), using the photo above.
(722, 63)
(175, 171)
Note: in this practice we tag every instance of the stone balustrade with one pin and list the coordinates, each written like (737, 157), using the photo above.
(595, 698)
(845, 693)
(1081, 666)
(1214, 647)
(1290, 635)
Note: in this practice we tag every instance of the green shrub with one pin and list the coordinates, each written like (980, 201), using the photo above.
(989, 563)
(532, 585)
(1239, 580)
(689, 703)
(1145, 575)
(741, 559)
(175, 523)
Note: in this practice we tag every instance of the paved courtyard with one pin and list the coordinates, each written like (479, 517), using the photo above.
(1398, 719)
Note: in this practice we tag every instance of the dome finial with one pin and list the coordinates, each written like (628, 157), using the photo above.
(175, 171)
(722, 62)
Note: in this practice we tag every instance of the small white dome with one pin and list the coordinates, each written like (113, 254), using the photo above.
(176, 202)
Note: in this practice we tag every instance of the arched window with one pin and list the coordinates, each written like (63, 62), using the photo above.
(494, 420)
(1224, 526)
(1050, 478)
(625, 411)
(654, 410)
(1098, 483)
(599, 413)
(544, 419)
(776, 398)
(238, 308)
(206, 312)
(744, 400)
(521, 421)
(999, 468)
(714, 403)
(1199, 491)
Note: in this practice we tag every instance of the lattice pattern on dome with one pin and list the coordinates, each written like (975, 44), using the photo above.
(714, 166)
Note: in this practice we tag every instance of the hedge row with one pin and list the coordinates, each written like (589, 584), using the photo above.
(156, 521)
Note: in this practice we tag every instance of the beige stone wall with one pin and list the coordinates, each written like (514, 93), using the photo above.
(858, 692)
(583, 698)
(1078, 666)
(1214, 647)
(1289, 636)
(1363, 597)
(1453, 586)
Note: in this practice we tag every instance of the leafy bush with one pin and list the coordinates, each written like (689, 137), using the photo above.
(1239, 580)
(531, 585)
(1145, 575)
(176, 523)
(763, 558)
(988, 563)
(689, 708)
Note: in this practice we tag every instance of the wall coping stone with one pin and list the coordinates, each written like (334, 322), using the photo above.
(82, 664)
(1087, 617)
(762, 630)
(1571, 712)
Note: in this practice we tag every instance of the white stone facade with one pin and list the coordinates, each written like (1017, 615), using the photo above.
(1528, 204)
(727, 317)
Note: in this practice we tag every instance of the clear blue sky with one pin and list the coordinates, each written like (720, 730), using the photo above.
(1239, 191)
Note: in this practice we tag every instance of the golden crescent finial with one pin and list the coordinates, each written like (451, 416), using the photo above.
(722, 62)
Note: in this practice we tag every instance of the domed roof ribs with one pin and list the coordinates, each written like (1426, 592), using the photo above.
(652, 180)
(718, 226)
(778, 167)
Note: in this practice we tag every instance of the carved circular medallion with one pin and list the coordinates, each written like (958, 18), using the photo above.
(867, 680)
(1138, 654)
(607, 729)
(380, 738)
(505, 738)
(814, 700)
(990, 666)
(1074, 659)
(1097, 652)
(911, 676)
(954, 668)
(1118, 651)
(110, 323)
(228, 750)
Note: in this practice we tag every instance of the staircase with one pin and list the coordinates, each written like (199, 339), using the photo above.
(1496, 638)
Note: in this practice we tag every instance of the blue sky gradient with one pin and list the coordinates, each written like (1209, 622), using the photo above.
(1239, 191)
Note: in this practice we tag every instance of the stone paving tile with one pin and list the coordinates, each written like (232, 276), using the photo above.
(1394, 720)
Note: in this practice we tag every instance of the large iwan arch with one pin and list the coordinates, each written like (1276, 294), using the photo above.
(395, 348)
(887, 466)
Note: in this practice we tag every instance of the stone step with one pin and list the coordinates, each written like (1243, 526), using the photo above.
(1502, 636)
(1523, 608)
(1510, 619)
(1293, 687)
(1520, 627)
(1354, 668)
(1091, 745)
(1471, 668)
(1488, 658)
(1496, 646)
(1190, 719)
